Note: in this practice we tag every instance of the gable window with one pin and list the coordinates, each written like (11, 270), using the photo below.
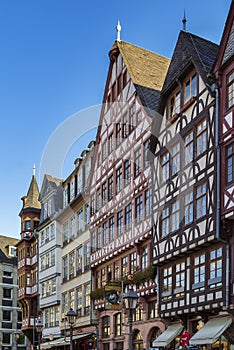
(201, 137)
(230, 163)
(119, 84)
(216, 268)
(174, 104)
(165, 223)
(165, 161)
(125, 78)
(110, 187)
(175, 154)
(201, 200)
(131, 118)
(230, 90)
(190, 88)
(199, 273)
(110, 143)
(146, 150)
(188, 208)
(188, 148)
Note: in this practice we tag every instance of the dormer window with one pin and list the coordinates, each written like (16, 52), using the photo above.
(190, 88)
(12, 251)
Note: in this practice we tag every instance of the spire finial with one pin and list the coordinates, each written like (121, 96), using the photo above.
(34, 170)
(184, 22)
(118, 28)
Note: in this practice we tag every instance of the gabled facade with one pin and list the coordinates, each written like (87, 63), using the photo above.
(188, 249)
(28, 261)
(49, 242)
(120, 190)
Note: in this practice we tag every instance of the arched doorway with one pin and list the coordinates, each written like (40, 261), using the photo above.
(137, 340)
(154, 334)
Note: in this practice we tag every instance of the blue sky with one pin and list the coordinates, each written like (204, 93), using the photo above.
(54, 62)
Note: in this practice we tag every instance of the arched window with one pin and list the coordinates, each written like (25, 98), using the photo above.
(106, 327)
(155, 333)
(137, 340)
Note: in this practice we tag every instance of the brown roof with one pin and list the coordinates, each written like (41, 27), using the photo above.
(146, 68)
(31, 200)
(55, 180)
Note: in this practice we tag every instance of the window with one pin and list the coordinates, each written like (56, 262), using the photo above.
(201, 200)
(116, 270)
(188, 148)
(128, 216)
(65, 268)
(190, 89)
(120, 222)
(27, 225)
(86, 256)
(133, 262)
(174, 104)
(118, 134)
(86, 215)
(146, 150)
(131, 118)
(65, 232)
(165, 221)
(110, 143)
(167, 279)
(7, 293)
(125, 126)
(138, 209)
(104, 150)
(216, 268)
(230, 90)
(52, 257)
(92, 201)
(98, 198)
(72, 228)
(119, 84)
(125, 266)
(106, 327)
(199, 273)
(175, 155)
(52, 231)
(119, 179)
(165, 161)
(71, 265)
(230, 163)
(53, 286)
(42, 237)
(99, 237)
(188, 208)
(125, 78)
(79, 260)
(6, 338)
(79, 221)
(6, 315)
(175, 215)
(112, 228)
(104, 193)
(201, 137)
(110, 188)
(137, 162)
(153, 311)
(72, 298)
(118, 324)
(79, 301)
(127, 172)
(180, 275)
(105, 233)
(144, 258)
(148, 202)
(138, 117)
(87, 299)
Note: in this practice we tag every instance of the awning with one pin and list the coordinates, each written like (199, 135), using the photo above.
(63, 341)
(168, 335)
(211, 331)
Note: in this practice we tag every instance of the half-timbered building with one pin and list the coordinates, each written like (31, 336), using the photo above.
(224, 74)
(120, 191)
(188, 249)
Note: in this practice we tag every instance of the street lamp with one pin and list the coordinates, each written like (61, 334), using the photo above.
(39, 327)
(130, 299)
(71, 319)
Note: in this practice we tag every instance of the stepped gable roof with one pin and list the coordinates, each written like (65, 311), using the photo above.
(191, 48)
(31, 200)
(146, 69)
(5, 242)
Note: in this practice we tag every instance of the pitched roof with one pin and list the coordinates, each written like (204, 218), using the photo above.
(189, 48)
(55, 182)
(32, 198)
(146, 69)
